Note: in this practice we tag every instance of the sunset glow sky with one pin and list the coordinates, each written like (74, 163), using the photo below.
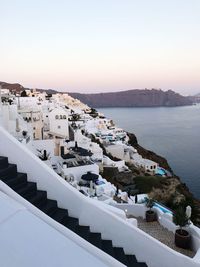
(101, 45)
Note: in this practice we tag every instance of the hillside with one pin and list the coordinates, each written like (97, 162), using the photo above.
(134, 98)
(130, 98)
(16, 87)
(12, 86)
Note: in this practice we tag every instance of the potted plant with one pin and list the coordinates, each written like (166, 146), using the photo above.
(24, 133)
(150, 214)
(43, 155)
(182, 236)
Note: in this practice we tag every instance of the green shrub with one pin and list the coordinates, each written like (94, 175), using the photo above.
(180, 218)
(145, 183)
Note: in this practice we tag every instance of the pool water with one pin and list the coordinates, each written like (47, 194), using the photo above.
(160, 171)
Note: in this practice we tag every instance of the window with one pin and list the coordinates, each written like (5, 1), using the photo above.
(57, 117)
(59, 127)
(64, 117)
(61, 117)
(47, 116)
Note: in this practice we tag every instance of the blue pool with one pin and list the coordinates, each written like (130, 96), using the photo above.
(160, 171)
(162, 208)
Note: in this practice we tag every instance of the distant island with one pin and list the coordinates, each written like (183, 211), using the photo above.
(129, 98)
(134, 98)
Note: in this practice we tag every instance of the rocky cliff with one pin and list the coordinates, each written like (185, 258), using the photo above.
(147, 154)
(16, 87)
(134, 98)
(170, 191)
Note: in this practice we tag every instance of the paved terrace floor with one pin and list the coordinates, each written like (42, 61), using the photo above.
(162, 234)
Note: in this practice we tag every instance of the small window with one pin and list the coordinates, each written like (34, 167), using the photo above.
(59, 127)
(64, 117)
(57, 117)
(47, 116)
(61, 117)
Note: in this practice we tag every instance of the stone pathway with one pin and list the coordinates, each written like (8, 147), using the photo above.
(163, 235)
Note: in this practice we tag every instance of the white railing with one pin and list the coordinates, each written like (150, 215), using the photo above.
(133, 240)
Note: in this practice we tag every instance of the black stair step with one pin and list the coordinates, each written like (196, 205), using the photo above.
(18, 181)
(132, 261)
(27, 190)
(108, 247)
(142, 264)
(8, 172)
(60, 215)
(83, 231)
(71, 223)
(120, 255)
(3, 162)
(49, 207)
(38, 199)
(95, 239)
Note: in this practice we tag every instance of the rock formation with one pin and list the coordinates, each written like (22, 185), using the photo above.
(134, 98)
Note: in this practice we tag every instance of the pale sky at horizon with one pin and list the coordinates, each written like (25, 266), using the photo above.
(99, 46)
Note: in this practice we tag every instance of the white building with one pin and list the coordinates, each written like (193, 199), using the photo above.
(146, 164)
(58, 123)
(33, 117)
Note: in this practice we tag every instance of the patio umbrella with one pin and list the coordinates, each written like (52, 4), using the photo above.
(85, 154)
(68, 156)
(89, 176)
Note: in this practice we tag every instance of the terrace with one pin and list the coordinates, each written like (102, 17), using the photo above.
(156, 230)
(163, 229)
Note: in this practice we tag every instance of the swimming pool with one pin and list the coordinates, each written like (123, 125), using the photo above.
(162, 208)
(160, 171)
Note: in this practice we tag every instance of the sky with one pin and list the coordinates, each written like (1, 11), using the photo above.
(101, 45)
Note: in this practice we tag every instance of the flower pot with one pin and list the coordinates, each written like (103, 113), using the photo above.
(150, 216)
(182, 239)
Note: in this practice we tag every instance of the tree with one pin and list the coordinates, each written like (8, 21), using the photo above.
(150, 203)
(180, 218)
(23, 93)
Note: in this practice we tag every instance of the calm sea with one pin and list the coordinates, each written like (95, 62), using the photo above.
(171, 132)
